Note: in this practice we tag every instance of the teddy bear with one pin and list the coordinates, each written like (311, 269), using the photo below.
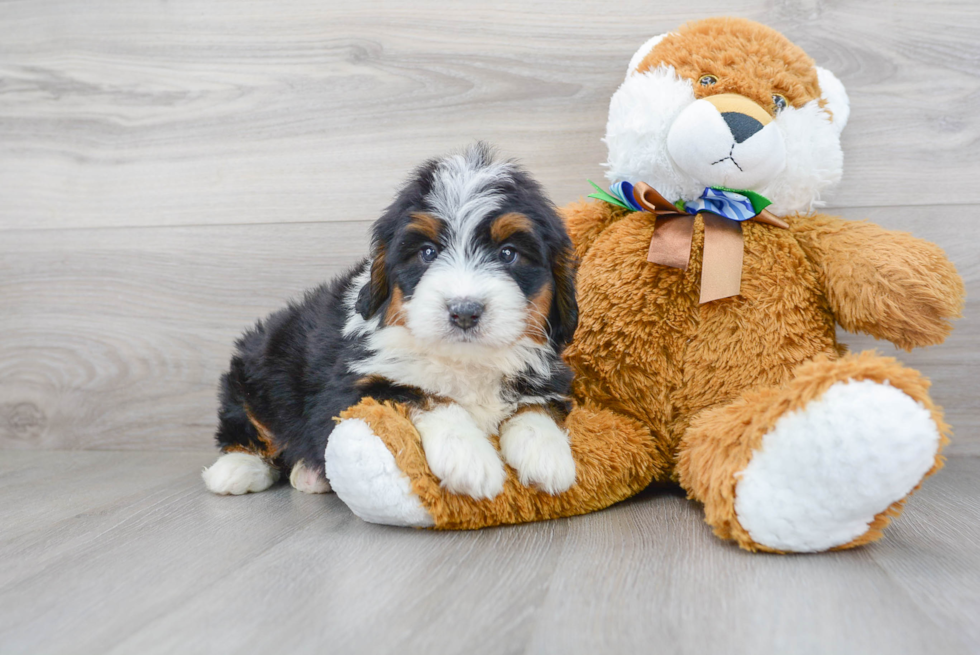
(709, 288)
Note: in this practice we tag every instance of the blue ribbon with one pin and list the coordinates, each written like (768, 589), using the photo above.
(731, 205)
(727, 204)
(624, 191)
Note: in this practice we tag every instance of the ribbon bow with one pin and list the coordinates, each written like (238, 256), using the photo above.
(723, 211)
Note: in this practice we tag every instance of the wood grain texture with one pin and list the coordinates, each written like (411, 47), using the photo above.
(116, 338)
(129, 554)
(265, 111)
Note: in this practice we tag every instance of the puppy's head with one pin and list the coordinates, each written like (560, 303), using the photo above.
(472, 252)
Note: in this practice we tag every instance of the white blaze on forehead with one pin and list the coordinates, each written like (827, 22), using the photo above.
(464, 191)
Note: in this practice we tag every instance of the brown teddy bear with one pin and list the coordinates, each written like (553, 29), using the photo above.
(709, 291)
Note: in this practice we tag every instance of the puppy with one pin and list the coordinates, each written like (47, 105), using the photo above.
(462, 313)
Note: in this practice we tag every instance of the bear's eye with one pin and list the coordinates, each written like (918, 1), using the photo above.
(708, 80)
(428, 253)
(779, 102)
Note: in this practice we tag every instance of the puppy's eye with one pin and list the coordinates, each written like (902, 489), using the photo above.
(508, 255)
(708, 80)
(428, 254)
(779, 102)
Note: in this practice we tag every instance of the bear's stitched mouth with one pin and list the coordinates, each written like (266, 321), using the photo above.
(729, 157)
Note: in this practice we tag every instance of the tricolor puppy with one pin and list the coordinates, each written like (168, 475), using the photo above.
(462, 313)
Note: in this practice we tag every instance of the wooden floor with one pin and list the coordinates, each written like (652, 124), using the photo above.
(127, 553)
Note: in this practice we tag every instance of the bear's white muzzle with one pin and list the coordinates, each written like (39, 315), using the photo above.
(727, 140)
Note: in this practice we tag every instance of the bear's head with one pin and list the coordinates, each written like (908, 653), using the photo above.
(726, 102)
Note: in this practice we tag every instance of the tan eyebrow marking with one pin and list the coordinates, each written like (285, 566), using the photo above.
(427, 224)
(506, 225)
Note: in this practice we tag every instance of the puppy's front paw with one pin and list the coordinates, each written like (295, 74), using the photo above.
(538, 449)
(459, 453)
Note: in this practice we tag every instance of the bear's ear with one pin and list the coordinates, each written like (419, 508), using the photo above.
(833, 92)
(644, 50)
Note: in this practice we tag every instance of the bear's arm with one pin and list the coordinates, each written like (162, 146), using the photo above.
(585, 220)
(887, 284)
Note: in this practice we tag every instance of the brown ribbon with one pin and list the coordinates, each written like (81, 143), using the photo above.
(724, 243)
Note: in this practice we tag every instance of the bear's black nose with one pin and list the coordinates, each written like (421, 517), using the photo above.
(742, 125)
(465, 313)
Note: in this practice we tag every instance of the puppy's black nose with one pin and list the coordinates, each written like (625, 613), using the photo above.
(465, 313)
(742, 125)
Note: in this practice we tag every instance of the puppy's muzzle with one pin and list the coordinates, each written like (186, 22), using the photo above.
(465, 313)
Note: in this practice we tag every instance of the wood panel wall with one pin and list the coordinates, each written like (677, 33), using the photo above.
(170, 171)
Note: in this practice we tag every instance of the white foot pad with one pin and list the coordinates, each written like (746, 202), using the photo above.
(307, 480)
(539, 451)
(239, 473)
(364, 475)
(824, 472)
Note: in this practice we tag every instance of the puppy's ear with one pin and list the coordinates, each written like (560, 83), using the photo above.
(563, 317)
(374, 294)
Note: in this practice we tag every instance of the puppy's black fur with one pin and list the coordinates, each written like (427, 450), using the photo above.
(291, 374)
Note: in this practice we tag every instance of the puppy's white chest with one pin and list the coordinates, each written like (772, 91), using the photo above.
(476, 384)
(478, 389)
(489, 415)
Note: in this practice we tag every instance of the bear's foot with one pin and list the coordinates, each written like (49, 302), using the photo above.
(824, 472)
(363, 474)
(820, 464)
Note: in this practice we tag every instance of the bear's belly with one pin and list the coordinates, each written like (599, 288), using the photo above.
(647, 348)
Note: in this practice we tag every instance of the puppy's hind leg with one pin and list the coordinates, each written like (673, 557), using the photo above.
(239, 473)
(244, 465)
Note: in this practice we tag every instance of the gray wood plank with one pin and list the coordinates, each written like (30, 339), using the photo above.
(175, 569)
(35, 486)
(372, 589)
(934, 552)
(655, 577)
(177, 113)
(115, 338)
(79, 581)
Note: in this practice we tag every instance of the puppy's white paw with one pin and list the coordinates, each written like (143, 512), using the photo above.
(239, 473)
(308, 480)
(538, 449)
(460, 453)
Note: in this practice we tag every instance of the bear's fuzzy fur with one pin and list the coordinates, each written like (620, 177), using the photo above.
(671, 390)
